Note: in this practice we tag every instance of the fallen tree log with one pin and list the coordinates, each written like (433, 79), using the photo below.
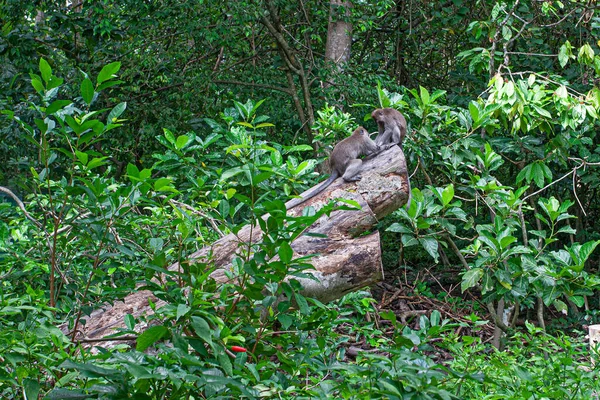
(349, 257)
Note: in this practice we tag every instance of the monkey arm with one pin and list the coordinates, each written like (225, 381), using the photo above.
(385, 137)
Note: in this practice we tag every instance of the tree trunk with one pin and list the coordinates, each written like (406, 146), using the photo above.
(349, 258)
(339, 34)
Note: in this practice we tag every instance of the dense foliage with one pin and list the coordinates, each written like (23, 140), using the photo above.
(135, 133)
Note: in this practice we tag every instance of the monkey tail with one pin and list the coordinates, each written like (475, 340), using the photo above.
(293, 203)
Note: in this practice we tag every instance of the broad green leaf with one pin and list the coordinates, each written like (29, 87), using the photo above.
(116, 112)
(564, 53)
(182, 309)
(87, 91)
(150, 336)
(431, 246)
(447, 194)
(82, 157)
(133, 171)
(162, 183)
(561, 92)
(470, 279)
(129, 321)
(474, 111)
(285, 252)
(57, 105)
(89, 370)
(225, 364)
(230, 193)
(107, 85)
(181, 142)
(424, 95)
(169, 136)
(399, 228)
(263, 176)
(586, 250)
(96, 162)
(301, 302)
(578, 300)
(45, 70)
(586, 55)
(31, 388)
(202, 329)
(108, 72)
(561, 306)
(37, 84)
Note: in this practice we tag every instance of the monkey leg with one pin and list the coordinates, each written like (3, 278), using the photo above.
(352, 172)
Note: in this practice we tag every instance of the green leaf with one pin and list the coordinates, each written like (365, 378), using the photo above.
(108, 84)
(563, 54)
(228, 174)
(302, 303)
(225, 362)
(538, 174)
(45, 70)
(474, 111)
(90, 370)
(150, 336)
(108, 72)
(561, 306)
(202, 329)
(37, 84)
(182, 309)
(264, 125)
(285, 252)
(431, 246)
(586, 55)
(82, 157)
(57, 105)
(470, 279)
(162, 183)
(399, 228)
(181, 142)
(96, 162)
(31, 388)
(129, 321)
(116, 112)
(424, 95)
(578, 300)
(447, 194)
(87, 91)
(586, 250)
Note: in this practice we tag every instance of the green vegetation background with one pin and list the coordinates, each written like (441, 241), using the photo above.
(137, 132)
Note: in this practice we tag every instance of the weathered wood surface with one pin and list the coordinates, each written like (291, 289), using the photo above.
(348, 259)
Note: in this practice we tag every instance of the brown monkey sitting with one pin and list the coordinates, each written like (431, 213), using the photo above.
(344, 161)
(391, 125)
(392, 129)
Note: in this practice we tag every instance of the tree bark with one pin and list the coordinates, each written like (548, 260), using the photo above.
(348, 259)
(339, 34)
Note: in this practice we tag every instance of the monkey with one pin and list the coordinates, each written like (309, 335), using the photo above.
(344, 161)
(391, 125)
(392, 129)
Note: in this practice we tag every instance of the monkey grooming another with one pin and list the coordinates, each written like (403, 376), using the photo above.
(392, 129)
(344, 161)
(391, 125)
